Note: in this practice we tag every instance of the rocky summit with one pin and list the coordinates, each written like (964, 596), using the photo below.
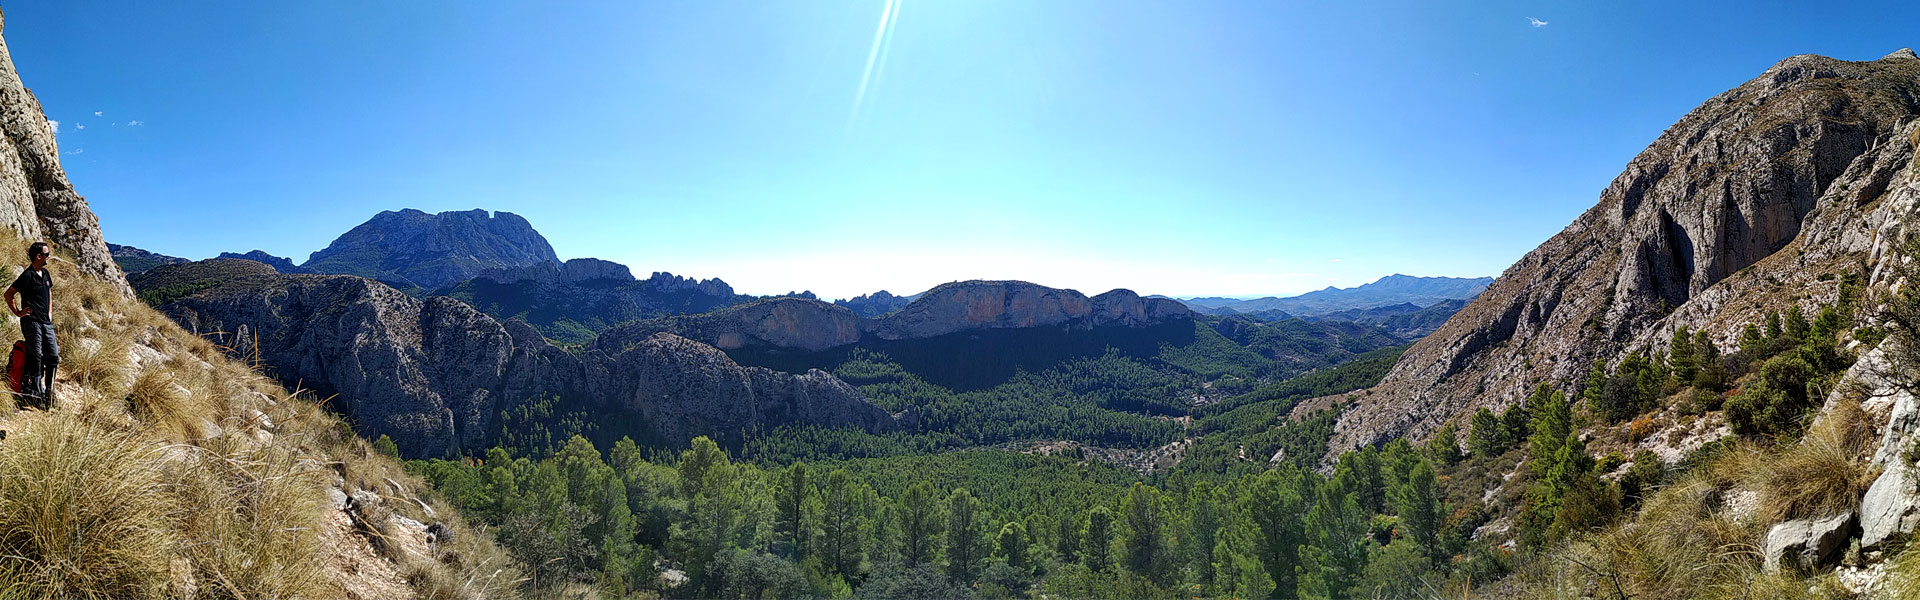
(1756, 200)
(419, 252)
(133, 260)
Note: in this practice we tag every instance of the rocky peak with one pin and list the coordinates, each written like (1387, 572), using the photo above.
(668, 282)
(133, 260)
(416, 251)
(875, 304)
(780, 322)
(36, 200)
(1901, 53)
(1737, 208)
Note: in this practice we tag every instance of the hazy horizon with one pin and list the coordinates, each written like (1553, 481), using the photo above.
(1235, 150)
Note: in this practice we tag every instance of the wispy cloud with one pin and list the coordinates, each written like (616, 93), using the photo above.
(55, 124)
(77, 151)
(96, 113)
(79, 126)
(1536, 22)
(135, 123)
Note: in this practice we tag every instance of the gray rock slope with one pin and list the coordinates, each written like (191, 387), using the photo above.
(1749, 203)
(435, 374)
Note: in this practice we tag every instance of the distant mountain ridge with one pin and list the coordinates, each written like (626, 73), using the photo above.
(283, 265)
(1389, 290)
(134, 260)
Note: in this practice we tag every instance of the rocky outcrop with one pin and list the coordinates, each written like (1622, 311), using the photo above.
(969, 305)
(415, 251)
(668, 282)
(1806, 544)
(579, 270)
(283, 265)
(134, 260)
(36, 200)
(1750, 202)
(435, 373)
(873, 305)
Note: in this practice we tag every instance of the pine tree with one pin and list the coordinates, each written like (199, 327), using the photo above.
(1418, 505)
(1488, 437)
(1681, 356)
(1444, 446)
(1204, 523)
(844, 523)
(1337, 553)
(1273, 507)
(921, 522)
(1144, 539)
(792, 527)
(966, 536)
(1066, 538)
(1011, 545)
(1551, 424)
(1097, 544)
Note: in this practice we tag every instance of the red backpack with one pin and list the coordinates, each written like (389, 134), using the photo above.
(17, 365)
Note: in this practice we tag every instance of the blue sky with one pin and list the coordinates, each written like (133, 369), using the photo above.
(1194, 148)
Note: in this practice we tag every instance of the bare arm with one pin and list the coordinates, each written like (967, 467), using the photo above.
(11, 307)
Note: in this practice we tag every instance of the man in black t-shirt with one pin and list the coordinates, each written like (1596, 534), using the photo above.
(35, 289)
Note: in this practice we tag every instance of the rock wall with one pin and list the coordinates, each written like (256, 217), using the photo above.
(436, 373)
(36, 199)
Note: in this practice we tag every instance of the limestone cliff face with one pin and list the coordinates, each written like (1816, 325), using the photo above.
(435, 373)
(1737, 209)
(36, 199)
(579, 270)
(968, 305)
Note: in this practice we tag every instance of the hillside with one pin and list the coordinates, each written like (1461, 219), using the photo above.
(168, 470)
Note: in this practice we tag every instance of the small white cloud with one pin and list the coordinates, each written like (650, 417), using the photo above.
(77, 151)
(79, 127)
(1536, 22)
(55, 124)
(135, 123)
(96, 113)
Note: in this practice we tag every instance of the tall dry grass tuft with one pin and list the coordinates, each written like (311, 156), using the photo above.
(256, 528)
(1823, 474)
(159, 400)
(84, 512)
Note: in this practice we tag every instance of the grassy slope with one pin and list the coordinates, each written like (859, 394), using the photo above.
(170, 470)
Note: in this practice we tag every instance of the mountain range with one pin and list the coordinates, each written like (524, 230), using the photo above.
(1386, 291)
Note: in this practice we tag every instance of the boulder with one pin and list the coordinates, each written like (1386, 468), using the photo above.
(1805, 544)
(1890, 510)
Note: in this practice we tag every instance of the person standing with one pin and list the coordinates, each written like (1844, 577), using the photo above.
(34, 286)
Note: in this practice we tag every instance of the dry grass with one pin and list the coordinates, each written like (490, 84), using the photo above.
(1823, 474)
(255, 530)
(119, 492)
(84, 512)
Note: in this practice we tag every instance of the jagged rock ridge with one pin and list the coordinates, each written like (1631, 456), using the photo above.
(1739, 208)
